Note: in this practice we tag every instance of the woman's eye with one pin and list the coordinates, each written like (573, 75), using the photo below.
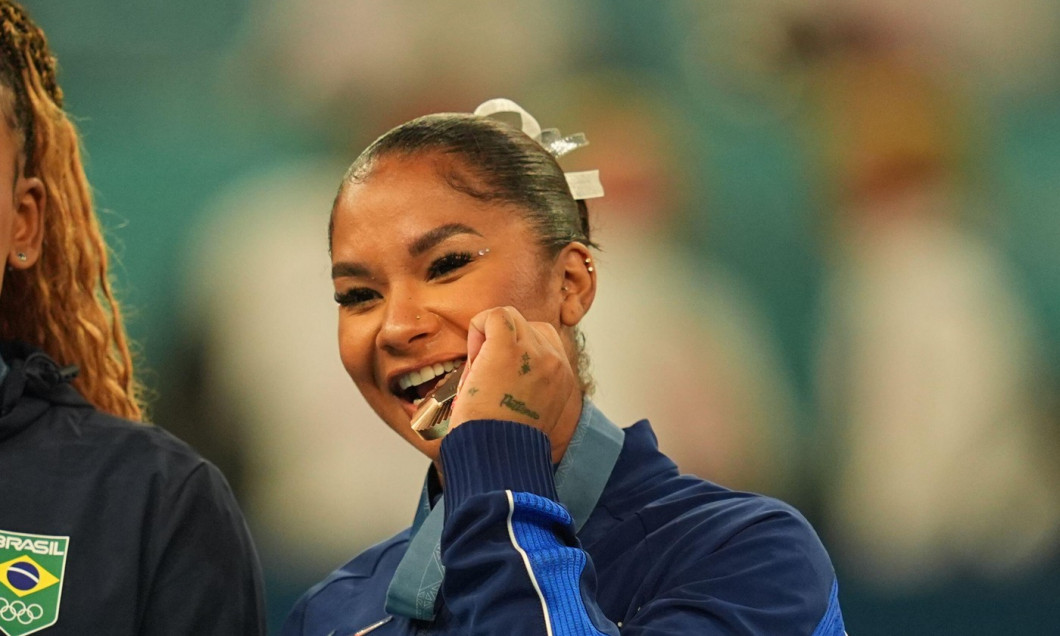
(356, 297)
(448, 263)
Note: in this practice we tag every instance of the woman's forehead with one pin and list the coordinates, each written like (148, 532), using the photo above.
(399, 209)
(401, 196)
(419, 189)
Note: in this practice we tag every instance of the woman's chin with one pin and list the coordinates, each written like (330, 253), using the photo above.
(431, 448)
(401, 424)
(410, 410)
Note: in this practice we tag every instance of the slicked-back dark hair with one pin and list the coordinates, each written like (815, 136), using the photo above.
(509, 167)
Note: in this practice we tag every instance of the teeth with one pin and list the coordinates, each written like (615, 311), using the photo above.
(426, 374)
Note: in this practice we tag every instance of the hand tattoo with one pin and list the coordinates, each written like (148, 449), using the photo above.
(473, 390)
(526, 364)
(517, 406)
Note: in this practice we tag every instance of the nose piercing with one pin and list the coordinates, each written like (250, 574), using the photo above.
(417, 317)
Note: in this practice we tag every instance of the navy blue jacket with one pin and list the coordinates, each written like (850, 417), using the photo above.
(660, 553)
(155, 543)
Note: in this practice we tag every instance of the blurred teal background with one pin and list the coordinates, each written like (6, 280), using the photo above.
(768, 156)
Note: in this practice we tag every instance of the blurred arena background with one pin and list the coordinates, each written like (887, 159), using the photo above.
(830, 267)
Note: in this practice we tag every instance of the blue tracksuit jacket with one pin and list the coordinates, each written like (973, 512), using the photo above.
(658, 553)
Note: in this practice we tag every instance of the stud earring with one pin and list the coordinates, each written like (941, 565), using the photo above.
(589, 264)
(21, 256)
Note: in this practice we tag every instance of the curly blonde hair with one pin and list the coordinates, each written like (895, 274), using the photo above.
(64, 304)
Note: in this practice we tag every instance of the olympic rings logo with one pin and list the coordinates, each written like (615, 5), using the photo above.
(17, 610)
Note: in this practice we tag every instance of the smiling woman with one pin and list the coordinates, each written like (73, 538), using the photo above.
(408, 294)
(459, 246)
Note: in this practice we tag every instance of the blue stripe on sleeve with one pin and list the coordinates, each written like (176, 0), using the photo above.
(832, 623)
(536, 524)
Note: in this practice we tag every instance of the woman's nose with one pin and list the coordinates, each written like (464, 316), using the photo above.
(404, 323)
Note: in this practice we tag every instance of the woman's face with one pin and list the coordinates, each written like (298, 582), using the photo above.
(8, 166)
(21, 201)
(413, 260)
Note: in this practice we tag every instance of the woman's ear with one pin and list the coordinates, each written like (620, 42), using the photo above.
(28, 230)
(577, 274)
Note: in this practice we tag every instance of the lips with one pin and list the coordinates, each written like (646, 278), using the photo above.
(413, 385)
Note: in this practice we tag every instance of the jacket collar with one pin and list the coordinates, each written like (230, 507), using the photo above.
(32, 384)
(580, 479)
(641, 473)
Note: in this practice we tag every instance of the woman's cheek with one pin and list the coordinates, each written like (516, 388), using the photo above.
(351, 350)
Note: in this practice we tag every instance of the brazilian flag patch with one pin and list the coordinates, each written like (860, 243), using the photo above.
(31, 581)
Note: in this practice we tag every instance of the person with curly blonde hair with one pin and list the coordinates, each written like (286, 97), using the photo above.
(107, 524)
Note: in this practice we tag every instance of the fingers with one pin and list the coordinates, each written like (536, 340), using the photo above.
(517, 370)
(500, 325)
(548, 333)
(506, 328)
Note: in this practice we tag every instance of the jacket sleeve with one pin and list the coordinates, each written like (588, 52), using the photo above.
(512, 561)
(514, 565)
(203, 575)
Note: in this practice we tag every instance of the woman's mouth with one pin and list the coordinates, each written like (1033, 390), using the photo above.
(431, 420)
(413, 386)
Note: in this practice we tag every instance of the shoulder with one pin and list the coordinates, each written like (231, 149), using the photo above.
(686, 518)
(131, 464)
(165, 469)
(353, 588)
(671, 507)
(703, 507)
(59, 447)
(749, 549)
(129, 446)
(746, 549)
(144, 467)
(377, 562)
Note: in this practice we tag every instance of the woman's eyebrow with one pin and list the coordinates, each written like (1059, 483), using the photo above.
(437, 235)
(350, 269)
(425, 242)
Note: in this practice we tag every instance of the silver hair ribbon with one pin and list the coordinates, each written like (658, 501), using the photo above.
(583, 185)
(557, 146)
